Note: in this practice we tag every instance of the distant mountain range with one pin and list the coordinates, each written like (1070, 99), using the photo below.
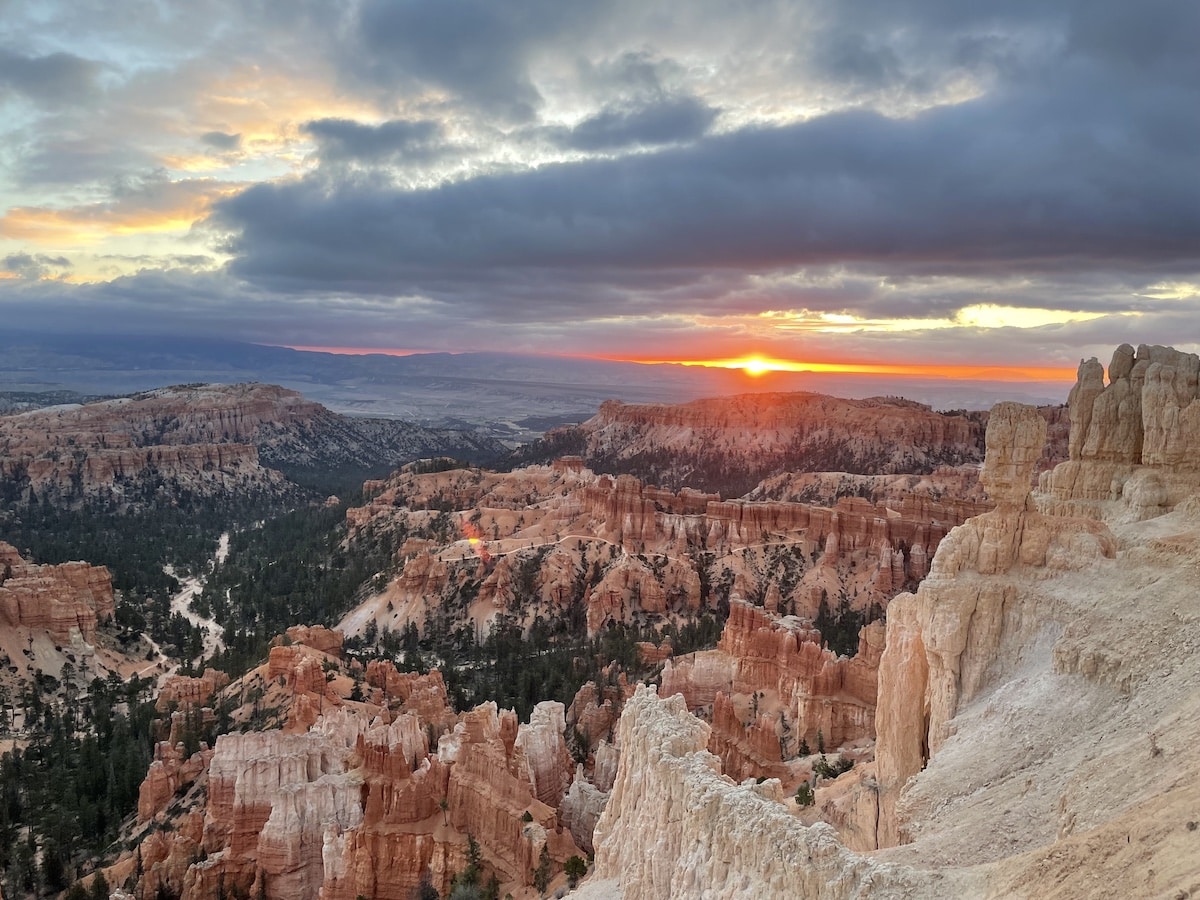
(514, 397)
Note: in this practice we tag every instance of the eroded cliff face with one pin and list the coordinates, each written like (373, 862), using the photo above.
(66, 600)
(542, 540)
(1038, 734)
(728, 444)
(145, 449)
(771, 686)
(199, 440)
(1132, 440)
(973, 607)
(1037, 669)
(676, 827)
(354, 798)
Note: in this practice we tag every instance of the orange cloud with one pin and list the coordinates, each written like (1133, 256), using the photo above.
(159, 207)
(267, 108)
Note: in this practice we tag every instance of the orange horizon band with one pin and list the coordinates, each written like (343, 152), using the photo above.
(757, 366)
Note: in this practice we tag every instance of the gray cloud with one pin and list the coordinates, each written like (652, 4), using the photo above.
(53, 79)
(179, 302)
(343, 140)
(26, 265)
(219, 140)
(476, 48)
(665, 122)
(984, 188)
(1056, 169)
(64, 158)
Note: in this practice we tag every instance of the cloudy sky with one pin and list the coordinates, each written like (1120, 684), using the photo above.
(911, 181)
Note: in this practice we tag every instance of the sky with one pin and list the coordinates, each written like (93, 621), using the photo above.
(910, 182)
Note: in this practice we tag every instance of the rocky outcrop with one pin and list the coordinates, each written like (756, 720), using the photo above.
(355, 797)
(674, 827)
(536, 541)
(729, 444)
(951, 485)
(594, 711)
(67, 600)
(942, 641)
(423, 695)
(129, 476)
(273, 797)
(770, 686)
(199, 440)
(1130, 439)
(180, 691)
(171, 772)
(580, 810)
(319, 638)
(543, 752)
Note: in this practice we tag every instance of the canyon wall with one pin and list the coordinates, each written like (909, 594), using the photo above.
(201, 440)
(537, 540)
(675, 827)
(145, 449)
(729, 444)
(66, 600)
(1037, 727)
(943, 640)
(770, 687)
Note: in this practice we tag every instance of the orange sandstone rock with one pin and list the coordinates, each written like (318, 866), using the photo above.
(67, 600)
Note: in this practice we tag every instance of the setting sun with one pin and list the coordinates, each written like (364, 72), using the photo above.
(755, 366)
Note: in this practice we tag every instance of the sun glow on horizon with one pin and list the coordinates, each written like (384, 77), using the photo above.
(755, 366)
(758, 366)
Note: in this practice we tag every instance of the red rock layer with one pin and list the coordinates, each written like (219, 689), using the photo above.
(786, 685)
(183, 690)
(776, 419)
(594, 711)
(170, 773)
(356, 802)
(201, 438)
(633, 553)
(1132, 440)
(317, 637)
(65, 600)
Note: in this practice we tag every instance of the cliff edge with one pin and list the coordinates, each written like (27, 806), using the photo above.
(1037, 715)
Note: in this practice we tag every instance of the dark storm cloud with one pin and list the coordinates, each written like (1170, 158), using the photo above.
(666, 122)
(27, 265)
(343, 140)
(54, 79)
(987, 187)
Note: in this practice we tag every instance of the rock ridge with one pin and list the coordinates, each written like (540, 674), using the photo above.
(722, 840)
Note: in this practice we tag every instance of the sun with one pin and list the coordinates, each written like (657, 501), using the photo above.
(756, 366)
